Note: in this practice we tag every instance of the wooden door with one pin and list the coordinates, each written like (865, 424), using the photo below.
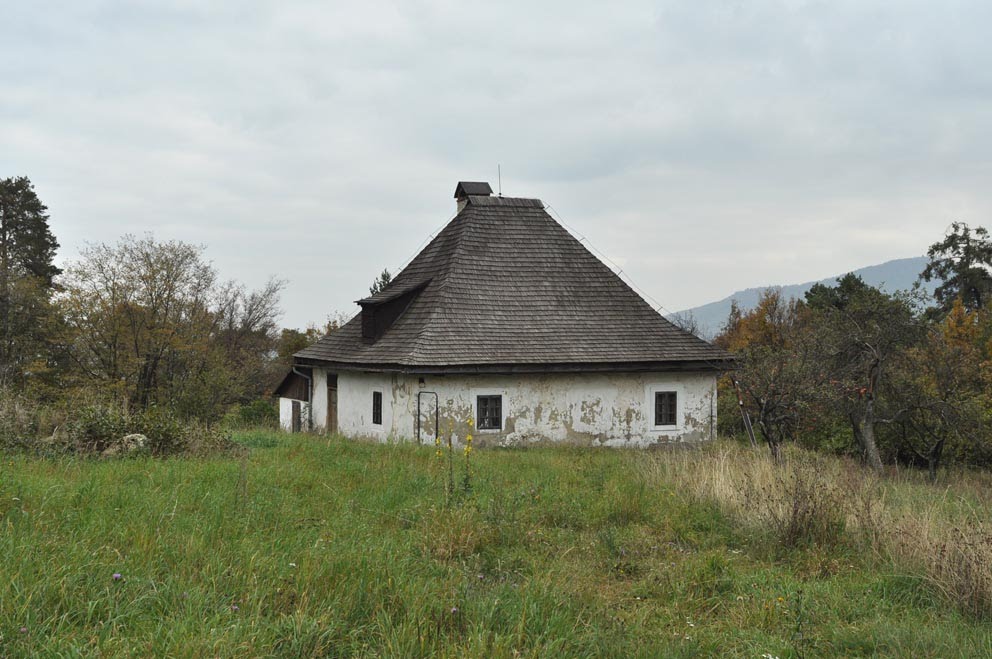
(332, 403)
(296, 416)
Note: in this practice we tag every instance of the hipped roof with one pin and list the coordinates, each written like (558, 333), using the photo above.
(504, 288)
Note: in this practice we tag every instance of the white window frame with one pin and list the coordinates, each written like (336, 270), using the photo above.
(679, 392)
(502, 410)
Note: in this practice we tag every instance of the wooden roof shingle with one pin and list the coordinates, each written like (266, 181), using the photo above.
(504, 287)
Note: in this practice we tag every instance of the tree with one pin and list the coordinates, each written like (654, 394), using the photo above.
(941, 384)
(292, 340)
(778, 368)
(962, 262)
(380, 282)
(863, 332)
(149, 321)
(27, 251)
(686, 321)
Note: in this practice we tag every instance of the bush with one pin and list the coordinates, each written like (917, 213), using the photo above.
(18, 421)
(97, 427)
(804, 507)
(166, 434)
(253, 415)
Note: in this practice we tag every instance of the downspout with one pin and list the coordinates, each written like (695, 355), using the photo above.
(713, 395)
(309, 402)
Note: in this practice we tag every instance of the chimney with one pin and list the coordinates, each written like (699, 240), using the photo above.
(474, 188)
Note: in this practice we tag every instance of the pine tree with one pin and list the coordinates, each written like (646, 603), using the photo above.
(27, 271)
(961, 262)
(380, 282)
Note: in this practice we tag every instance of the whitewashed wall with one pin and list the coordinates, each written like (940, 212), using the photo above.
(319, 397)
(607, 409)
(286, 414)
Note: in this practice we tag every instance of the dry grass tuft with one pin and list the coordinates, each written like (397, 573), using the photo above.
(943, 536)
(454, 533)
(802, 501)
(955, 558)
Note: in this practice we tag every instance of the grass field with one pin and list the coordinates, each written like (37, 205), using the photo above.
(311, 546)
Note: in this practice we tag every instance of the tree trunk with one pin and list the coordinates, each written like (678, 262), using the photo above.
(766, 431)
(872, 457)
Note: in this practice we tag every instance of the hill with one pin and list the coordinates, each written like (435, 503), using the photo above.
(891, 276)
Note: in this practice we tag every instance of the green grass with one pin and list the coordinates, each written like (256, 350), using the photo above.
(317, 547)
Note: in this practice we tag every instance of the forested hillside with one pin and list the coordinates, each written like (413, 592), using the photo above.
(890, 277)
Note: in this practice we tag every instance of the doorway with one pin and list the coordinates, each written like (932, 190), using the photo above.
(297, 420)
(427, 417)
(332, 403)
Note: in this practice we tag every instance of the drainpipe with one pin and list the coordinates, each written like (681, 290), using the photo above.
(713, 394)
(309, 402)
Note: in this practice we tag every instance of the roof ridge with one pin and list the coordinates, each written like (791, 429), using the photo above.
(486, 200)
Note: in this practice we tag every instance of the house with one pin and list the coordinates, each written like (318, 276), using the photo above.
(507, 321)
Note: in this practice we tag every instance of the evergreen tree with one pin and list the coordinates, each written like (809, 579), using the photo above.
(27, 246)
(962, 263)
(27, 250)
(380, 282)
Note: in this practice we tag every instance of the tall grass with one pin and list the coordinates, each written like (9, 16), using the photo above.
(942, 534)
(309, 546)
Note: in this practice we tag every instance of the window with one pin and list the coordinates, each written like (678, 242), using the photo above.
(665, 408)
(490, 413)
(377, 408)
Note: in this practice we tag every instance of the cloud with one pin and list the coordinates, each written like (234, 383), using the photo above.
(703, 146)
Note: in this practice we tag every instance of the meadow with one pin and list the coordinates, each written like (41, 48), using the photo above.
(316, 546)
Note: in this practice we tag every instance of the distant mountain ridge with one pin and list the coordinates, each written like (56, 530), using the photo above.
(891, 276)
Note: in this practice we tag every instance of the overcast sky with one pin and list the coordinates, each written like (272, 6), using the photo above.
(704, 146)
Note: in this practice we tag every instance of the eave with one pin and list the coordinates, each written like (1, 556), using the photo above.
(715, 366)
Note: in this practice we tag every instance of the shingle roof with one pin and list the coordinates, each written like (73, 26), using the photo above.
(504, 286)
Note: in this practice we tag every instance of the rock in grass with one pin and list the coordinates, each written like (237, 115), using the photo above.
(127, 444)
(134, 441)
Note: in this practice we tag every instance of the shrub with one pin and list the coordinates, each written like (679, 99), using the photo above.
(803, 506)
(253, 415)
(96, 427)
(166, 434)
(18, 421)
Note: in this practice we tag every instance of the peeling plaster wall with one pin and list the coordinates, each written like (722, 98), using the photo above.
(586, 409)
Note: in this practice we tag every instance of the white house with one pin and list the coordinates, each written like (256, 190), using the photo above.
(507, 321)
